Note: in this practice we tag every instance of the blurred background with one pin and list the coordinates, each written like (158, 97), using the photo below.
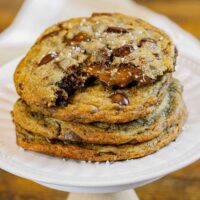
(181, 185)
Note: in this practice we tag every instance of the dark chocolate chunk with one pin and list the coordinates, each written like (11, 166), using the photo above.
(82, 36)
(119, 98)
(49, 57)
(51, 34)
(122, 51)
(113, 29)
(104, 57)
(119, 75)
(144, 40)
(61, 99)
(156, 55)
(21, 86)
(73, 80)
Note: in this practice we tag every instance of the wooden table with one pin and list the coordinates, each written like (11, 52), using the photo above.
(181, 185)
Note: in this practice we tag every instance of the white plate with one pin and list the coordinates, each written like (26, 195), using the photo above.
(51, 170)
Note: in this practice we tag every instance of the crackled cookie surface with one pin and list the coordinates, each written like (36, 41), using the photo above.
(114, 49)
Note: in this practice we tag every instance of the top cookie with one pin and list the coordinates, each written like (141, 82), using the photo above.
(115, 49)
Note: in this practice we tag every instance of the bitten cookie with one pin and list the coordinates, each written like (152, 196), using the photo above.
(115, 49)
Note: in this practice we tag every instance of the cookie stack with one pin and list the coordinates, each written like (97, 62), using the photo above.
(99, 89)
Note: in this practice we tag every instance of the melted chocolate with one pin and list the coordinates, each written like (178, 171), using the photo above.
(49, 57)
(73, 80)
(113, 29)
(121, 75)
(156, 55)
(104, 56)
(122, 51)
(143, 41)
(51, 34)
(61, 99)
(119, 98)
(82, 36)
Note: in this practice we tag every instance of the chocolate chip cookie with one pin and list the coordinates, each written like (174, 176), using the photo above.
(99, 88)
(137, 131)
(91, 152)
(117, 50)
(98, 103)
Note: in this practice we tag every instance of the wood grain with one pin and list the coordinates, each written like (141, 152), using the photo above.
(181, 185)
(183, 12)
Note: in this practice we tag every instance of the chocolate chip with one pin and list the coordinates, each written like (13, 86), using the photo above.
(73, 80)
(104, 56)
(144, 40)
(61, 99)
(122, 51)
(33, 114)
(156, 55)
(119, 98)
(51, 34)
(82, 36)
(117, 75)
(49, 57)
(136, 73)
(21, 86)
(113, 29)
